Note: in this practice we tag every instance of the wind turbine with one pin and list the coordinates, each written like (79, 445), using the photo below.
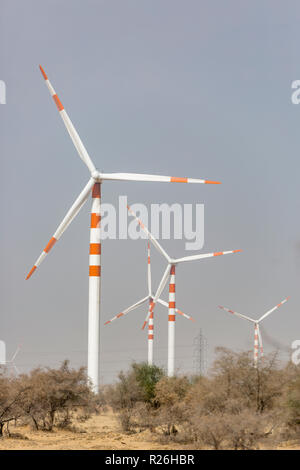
(170, 272)
(94, 186)
(11, 363)
(258, 345)
(149, 298)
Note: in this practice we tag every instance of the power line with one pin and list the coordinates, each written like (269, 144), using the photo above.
(118, 351)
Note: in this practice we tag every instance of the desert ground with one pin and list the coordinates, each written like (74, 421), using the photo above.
(100, 432)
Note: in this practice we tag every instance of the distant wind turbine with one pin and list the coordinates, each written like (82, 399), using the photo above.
(170, 273)
(149, 298)
(258, 345)
(11, 363)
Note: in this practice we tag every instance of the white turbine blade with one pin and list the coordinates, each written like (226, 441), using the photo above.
(16, 353)
(165, 304)
(69, 125)
(260, 341)
(237, 314)
(162, 283)
(160, 288)
(149, 269)
(272, 309)
(150, 236)
(155, 178)
(206, 255)
(71, 214)
(128, 309)
(16, 370)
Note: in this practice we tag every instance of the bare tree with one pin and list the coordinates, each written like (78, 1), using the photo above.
(10, 399)
(53, 394)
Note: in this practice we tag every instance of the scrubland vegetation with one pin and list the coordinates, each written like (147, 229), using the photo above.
(235, 407)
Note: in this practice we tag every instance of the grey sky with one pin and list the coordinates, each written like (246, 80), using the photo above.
(199, 89)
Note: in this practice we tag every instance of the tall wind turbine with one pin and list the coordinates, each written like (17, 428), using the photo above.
(149, 298)
(258, 345)
(94, 186)
(170, 273)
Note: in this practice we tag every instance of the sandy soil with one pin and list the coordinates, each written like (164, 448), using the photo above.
(101, 432)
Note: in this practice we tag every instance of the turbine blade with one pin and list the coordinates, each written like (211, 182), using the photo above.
(207, 255)
(69, 125)
(272, 309)
(155, 178)
(185, 315)
(150, 236)
(16, 353)
(71, 214)
(150, 310)
(160, 288)
(237, 314)
(127, 310)
(147, 317)
(165, 304)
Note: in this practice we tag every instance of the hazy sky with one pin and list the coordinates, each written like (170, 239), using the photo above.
(197, 88)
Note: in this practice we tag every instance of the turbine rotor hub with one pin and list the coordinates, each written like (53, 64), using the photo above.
(96, 175)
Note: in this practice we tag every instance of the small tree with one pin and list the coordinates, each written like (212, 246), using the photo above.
(235, 374)
(169, 395)
(52, 394)
(240, 431)
(132, 395)
(293, 401)
(147, 377)
(10, 399)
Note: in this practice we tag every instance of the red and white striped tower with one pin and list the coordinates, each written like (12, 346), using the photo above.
(94, 288)
(150, 312)
(150, 333)
(171, 324)
(256, 346)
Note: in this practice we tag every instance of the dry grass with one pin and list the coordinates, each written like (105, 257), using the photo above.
(100, 432)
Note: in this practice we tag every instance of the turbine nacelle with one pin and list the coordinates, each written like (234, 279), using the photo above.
(173, 262)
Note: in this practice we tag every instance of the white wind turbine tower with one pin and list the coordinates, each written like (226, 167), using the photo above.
(258, 345)
(149, 298)
(94, 186)
(170, 272)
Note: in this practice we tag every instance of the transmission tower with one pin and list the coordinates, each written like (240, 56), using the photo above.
(200, 354)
